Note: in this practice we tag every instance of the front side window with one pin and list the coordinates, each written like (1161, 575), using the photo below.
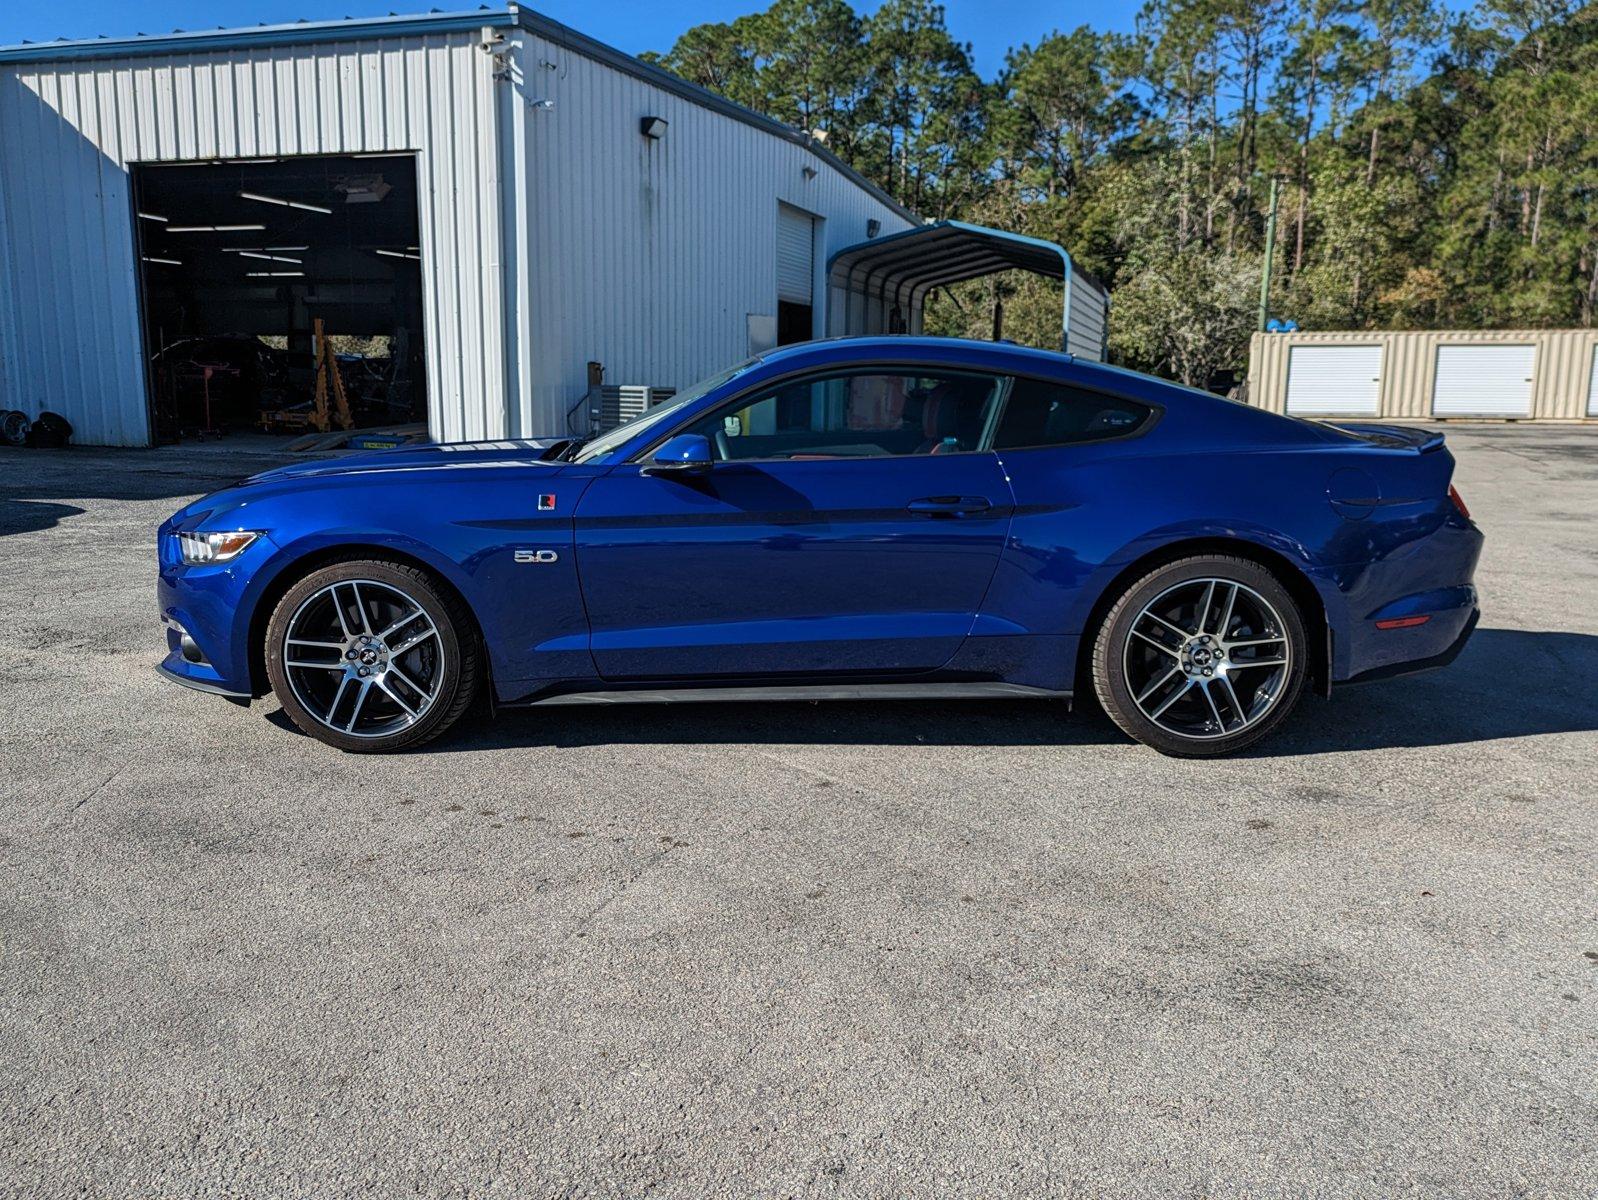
(1039, 413)
(858, 414)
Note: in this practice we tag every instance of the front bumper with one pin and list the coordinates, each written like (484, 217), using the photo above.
(175, 674)
(203, 604)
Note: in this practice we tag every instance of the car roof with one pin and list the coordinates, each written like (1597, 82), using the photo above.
(982, 355)
(903, 346)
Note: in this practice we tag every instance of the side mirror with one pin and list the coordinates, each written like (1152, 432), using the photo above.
(685, 454)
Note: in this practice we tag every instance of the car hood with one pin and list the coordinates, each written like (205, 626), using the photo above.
(528, 451)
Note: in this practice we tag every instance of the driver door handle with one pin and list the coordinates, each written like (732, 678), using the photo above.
(949, 506)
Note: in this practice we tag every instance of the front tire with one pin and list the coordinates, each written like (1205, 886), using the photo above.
(1201, 657)
(370, 655)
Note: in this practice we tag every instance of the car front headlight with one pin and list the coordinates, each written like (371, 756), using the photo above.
(198, 548)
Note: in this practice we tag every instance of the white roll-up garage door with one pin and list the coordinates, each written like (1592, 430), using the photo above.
(1483, 381)
(795, 250)
(1334, 381)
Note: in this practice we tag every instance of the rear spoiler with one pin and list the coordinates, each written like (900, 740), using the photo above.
(1393, 437)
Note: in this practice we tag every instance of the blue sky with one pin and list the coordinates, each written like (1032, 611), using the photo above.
(991, 27)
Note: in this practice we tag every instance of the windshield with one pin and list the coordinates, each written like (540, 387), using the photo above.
(657, 416)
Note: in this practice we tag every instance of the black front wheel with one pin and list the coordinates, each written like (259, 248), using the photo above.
(369, 655)
(1201, 657)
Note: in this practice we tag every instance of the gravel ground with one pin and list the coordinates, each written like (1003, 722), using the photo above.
(789, 949)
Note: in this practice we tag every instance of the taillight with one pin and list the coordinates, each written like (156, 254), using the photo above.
(1459, 501)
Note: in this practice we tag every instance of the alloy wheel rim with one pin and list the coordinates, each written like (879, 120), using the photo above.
(1207, 658)
(363, 658)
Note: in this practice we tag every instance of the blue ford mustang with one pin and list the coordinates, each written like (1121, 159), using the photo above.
(892, 517)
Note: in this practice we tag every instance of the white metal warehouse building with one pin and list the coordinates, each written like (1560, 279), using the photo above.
(567, 204)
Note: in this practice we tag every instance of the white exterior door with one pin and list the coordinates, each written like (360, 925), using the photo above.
(1483, 381)
(1334, 381)
(1592, 386)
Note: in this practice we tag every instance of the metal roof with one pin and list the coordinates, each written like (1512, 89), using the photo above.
(366, 28)
(302, 33)
(906, 266)
(948, 252)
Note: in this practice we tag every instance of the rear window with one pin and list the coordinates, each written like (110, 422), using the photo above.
(1054, 414)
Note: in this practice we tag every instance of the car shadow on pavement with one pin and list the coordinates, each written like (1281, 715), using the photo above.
(775, 722)
(1551, 676)
(30, 516)
(1507, 683)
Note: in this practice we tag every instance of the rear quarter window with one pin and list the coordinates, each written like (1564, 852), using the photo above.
(1040, 413)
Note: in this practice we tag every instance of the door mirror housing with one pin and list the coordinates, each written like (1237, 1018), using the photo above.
(685, 454)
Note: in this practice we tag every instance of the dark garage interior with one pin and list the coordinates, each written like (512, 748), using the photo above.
(243, 262)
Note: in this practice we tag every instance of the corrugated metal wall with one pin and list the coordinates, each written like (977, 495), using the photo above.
(69, 130)
(649, 255)
(1561, 378)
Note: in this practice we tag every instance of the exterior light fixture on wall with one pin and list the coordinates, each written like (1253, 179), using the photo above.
(808, 172)
(873, 227)
(540, 105)
(492, 44)
(652, 127)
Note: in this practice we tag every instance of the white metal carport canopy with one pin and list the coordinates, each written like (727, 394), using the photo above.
(902, 268)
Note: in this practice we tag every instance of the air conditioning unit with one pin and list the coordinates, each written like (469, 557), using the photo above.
(623, 402)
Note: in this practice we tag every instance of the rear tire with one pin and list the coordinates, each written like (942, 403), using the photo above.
(371, 655)
(1201, 657)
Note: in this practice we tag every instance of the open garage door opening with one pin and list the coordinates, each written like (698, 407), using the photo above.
(281, 295)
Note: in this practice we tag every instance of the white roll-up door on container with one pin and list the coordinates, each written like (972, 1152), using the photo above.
(795, 255)
(1483, 381)
(1334, 381)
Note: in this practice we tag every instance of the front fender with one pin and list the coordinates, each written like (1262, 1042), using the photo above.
(467, 528)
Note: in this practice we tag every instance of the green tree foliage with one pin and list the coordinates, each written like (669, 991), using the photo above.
(1435, 170)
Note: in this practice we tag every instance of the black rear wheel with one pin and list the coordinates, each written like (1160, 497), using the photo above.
(1201, 657)
(369, 655)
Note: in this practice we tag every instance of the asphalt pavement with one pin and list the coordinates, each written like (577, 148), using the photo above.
(891, 949)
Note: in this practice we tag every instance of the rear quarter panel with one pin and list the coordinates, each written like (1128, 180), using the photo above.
(1214, 470)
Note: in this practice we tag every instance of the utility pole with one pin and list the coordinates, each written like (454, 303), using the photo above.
(1270, 257)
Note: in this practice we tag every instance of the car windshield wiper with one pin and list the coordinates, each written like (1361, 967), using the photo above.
(568, 452)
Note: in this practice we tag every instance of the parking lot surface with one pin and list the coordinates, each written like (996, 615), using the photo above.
(790, 949)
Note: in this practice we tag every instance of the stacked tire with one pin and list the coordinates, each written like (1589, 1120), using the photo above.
(48, 431)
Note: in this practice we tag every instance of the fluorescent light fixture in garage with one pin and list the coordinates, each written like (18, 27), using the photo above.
(274, 274)
(216, 228)
(316, 208)
(143, 216)
(398, 254)
(169, 262)
(269, 257)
